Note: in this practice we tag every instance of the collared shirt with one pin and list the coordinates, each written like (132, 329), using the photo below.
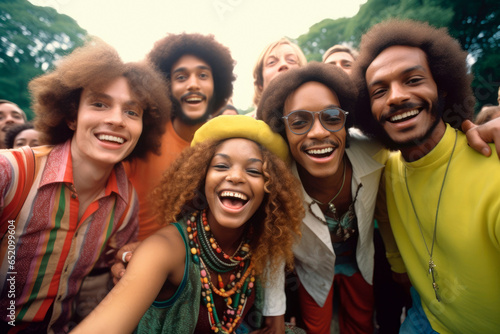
(314, 253)
(54, 250)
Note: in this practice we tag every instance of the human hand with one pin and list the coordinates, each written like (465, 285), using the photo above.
(122, 257)
(479, 135)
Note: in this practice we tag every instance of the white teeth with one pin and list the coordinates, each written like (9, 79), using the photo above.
(233, 194)
(321, 151)
(193, 99)
(115, 139)
(404, 115)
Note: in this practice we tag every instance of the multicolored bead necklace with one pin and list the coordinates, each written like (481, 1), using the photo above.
(203, 245)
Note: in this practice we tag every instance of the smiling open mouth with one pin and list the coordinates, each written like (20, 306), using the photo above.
(320, 153)
(112, 139)
(404, 116)
(233, 200)
(193, 99)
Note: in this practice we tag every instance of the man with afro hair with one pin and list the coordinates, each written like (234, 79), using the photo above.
(340, 172)
(442, 196)
(200, 72)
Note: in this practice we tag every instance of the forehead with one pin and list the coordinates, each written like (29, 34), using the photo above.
(396, 60)
(340, 55)
(240, 147)
(312, 96)
(28, 133)
(115, 88)
(189, 62)
(10, 108)
(279, 50)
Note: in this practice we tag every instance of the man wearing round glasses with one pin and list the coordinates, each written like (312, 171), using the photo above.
(301, 121)
(340, 173)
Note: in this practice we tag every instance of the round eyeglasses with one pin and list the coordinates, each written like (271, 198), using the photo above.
(301, 121)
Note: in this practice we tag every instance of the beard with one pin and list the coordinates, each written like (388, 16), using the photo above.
(177, 112)
(436, 111)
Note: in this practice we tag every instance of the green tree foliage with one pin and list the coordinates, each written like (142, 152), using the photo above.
(476, 24)
(31, 39)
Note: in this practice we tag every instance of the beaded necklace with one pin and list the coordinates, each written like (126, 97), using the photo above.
(241, 282)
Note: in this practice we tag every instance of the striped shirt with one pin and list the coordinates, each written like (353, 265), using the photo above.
(54, 250)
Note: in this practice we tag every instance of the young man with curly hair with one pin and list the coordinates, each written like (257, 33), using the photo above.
(200, 72)
(415, 94)
(66, 208)
(340, 170)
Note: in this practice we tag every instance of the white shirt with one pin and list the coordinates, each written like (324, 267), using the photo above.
(314, 254)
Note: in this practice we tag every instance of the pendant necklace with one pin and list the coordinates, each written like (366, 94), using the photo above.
(331, 206)
(432, 266)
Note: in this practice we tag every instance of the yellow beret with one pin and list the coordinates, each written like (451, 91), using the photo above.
(241, 126)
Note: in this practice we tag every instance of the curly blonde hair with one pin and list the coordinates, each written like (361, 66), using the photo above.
(276, 223)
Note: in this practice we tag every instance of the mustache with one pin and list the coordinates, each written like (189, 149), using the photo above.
(193, 94)
(328, 142)
(397, 108)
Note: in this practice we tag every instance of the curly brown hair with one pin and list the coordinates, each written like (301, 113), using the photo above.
(446, 60)
(277, 221)
(272, 103)
(168, 50)
(56, 95)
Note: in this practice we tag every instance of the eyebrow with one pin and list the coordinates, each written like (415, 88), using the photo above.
(13, 111)
(327, 107)
(408, 70)
(229, 158)
(200, 67)
(97, 95)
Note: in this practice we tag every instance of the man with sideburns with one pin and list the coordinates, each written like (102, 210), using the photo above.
(442, 196)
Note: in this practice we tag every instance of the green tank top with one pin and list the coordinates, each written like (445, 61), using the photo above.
(179, 314)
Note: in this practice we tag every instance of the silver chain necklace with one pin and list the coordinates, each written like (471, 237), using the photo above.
(331, 206)
(432, 266)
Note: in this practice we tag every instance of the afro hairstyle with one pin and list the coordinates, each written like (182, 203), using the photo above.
(446, 60)
(169, 49)
(273, 99)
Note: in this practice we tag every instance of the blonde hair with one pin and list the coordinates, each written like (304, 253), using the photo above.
(258, 81)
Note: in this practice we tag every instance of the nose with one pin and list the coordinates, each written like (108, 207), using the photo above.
(397, 95)
(235, 175)
(317, 130)
(283, 65)
(115, 117)
(193, 84)
(9, 119)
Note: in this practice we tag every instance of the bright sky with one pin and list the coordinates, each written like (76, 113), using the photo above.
(245, 26)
